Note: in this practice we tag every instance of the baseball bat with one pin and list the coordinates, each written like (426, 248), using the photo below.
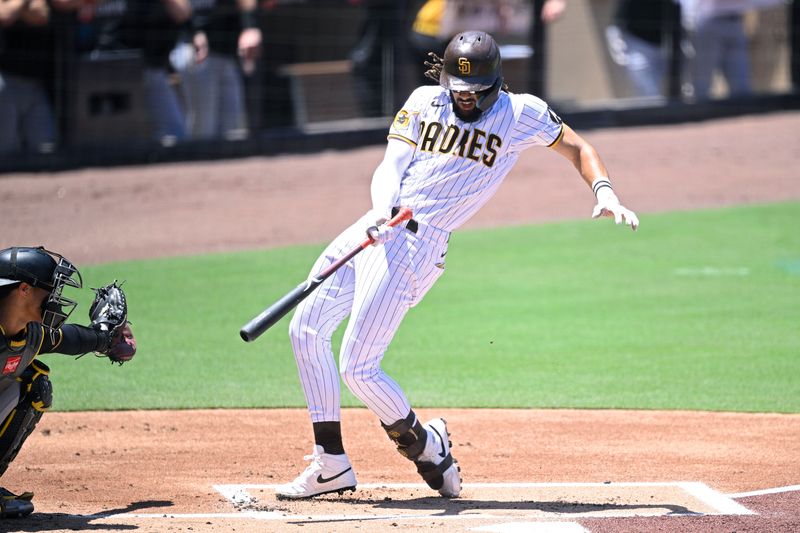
(267, 318)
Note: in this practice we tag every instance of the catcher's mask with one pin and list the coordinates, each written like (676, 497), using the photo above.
(472, 63)
(46, 270)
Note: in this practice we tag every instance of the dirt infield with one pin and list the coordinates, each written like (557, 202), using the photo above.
(157, 471)
(525, 470)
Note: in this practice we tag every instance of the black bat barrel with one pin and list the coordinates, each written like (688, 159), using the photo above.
(253, 329)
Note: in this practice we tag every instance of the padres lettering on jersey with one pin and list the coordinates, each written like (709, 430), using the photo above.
(458, 165)
(474, 144)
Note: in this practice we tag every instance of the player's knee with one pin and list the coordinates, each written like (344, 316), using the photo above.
(362, 380)
(353, 376)
(38, 390)
(36, 396)
(301, 334)
(35, 387)
(351, 380)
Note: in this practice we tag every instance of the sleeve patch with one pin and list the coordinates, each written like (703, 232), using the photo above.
(401, 120)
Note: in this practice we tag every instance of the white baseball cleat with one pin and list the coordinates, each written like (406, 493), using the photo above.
(326, 473)
(436, 464)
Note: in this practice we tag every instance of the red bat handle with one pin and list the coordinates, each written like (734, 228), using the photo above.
(403, 214)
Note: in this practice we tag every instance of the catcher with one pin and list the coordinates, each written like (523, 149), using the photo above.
(32, 315)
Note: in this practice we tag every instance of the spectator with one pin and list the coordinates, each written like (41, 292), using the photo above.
(227, 41)
(426, 32)
(26, 74)
(96, 24)
(379, 57)
(153, 27)
(720, 43)
(635, 42)
(437, 21)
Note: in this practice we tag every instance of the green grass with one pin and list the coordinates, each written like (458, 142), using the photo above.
(697, 310)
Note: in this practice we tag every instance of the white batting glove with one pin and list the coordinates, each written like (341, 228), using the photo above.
(608, 205)
(380, 233)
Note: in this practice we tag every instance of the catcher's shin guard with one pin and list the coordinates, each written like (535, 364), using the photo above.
(36, 397)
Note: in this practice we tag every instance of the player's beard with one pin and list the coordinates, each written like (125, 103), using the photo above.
(471, 116)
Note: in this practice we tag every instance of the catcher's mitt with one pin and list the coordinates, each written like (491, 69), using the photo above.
(109, 316)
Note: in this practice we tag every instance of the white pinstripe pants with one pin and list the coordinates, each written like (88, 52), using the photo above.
(376, 288)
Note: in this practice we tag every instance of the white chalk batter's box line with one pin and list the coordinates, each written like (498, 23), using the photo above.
(239, 495)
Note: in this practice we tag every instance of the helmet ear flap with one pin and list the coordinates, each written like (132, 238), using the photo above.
(488, 97)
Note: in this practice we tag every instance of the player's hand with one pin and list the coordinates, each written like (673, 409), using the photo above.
(380, 233)
(608, 206)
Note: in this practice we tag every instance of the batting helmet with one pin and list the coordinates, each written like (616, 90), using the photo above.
(472, 63)
(46, 270)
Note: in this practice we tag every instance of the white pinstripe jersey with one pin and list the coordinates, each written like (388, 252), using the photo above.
(458, 166)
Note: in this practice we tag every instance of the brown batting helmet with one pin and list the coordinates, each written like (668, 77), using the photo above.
(472, 63)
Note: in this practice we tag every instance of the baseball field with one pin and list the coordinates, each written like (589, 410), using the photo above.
(594, 379)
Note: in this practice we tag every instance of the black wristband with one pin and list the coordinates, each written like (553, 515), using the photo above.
(599, 184)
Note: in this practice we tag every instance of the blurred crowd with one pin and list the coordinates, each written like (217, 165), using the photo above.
(191, 60)
(211, 44)
(710, 35)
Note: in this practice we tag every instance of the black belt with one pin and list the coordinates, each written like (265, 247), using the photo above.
(411, 225)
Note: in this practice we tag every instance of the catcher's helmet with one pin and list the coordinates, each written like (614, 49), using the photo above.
(46, 270)
(472, 63)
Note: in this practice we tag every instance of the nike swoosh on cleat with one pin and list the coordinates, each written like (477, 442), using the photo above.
(441, 453)
(321, 479)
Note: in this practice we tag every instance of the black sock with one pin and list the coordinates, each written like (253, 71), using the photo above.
(329, 436)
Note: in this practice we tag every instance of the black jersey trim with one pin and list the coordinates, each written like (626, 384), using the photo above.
(401, 138)
(558, 138)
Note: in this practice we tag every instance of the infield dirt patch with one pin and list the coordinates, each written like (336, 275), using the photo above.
(93, 470)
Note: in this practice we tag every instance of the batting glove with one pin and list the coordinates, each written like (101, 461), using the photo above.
(381, 233)
(608, 205)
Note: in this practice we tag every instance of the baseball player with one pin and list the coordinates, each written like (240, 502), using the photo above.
(448, 150)
(32, 315)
